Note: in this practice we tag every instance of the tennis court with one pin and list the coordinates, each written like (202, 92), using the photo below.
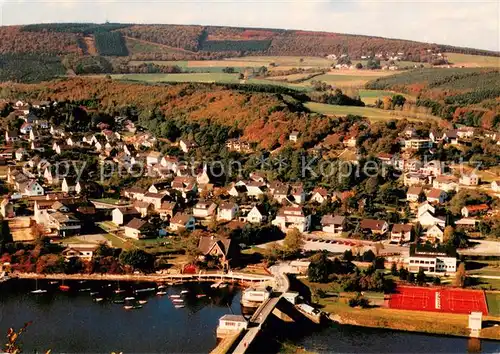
(438, 300)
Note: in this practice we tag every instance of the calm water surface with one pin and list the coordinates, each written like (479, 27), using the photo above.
(73, 323)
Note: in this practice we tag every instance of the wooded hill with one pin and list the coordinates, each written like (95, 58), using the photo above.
(63, 38)
(467, 96)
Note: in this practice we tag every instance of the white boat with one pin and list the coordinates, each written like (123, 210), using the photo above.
(178, 301)
(98, 299)
(222, 286)
(93, 293)
(170, 283)
(179, 306)
(128, 307)
(130, 298)
(83, 290)
(199, 296)
(174, 296)
(184, 292)
(119, 291)
(142, 302)
(53, 282)
(144, 290)
(38, 291)
(161, 293)
(162, 287)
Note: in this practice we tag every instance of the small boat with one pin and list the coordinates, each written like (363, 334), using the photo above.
(162, 287)
(83, 290)
(161, 293)
(64, 287)
(222, 286)
(130, 298)
(184, 292)
(38, 291)
(128, 307)
(174, 296)
(119, 291)
(144, 290)
(199, 296)
(98, 299)
(82, 281)
(179, 306)
(93, 293)
(142, 302)
(118, 301)
(177, 301)
(170, 283)
(53, 282)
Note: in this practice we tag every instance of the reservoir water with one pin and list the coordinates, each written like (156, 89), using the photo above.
(72, 322)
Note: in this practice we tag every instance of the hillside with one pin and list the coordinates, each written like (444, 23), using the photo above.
(262, 118)
(467, 96)
(68, 38)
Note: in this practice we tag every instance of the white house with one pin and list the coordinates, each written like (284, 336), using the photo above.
(401, 233)
(33, 188)
(436, 196)
(256, 215)
(83, 251)
(427, 218)
(414, 193)
(470, 180)
(227, 211)
(153, 158)
(68, 185)
(231, 324)
(374, 226)
(290, 217)
(418, 144)
(433, 233)
(333, 224)
(136, 229)
(445, 182)
(50, 176)
(121, 216)
(495, 186)
(204, 209)
(294, 136)
(319, 195)
(182, 221)
(472, 210)
(186, 145)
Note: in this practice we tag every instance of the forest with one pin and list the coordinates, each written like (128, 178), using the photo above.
(62, 38)
(29, 67)
(466, 96)
(110, 44)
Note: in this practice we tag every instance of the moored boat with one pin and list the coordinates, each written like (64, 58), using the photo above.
(130, 298)
(161, 293)
(179, 306)
(64, 287)
(178, 301)
(199, 296)
(39, 291)
(142, 302)
(184, 292)
(98, 299)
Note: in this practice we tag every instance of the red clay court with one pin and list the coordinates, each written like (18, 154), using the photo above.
(438, 300)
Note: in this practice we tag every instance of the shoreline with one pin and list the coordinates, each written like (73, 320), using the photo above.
(455, 325)
(229, 277)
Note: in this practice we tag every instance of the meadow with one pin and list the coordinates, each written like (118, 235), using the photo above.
(470, 60)
(373, 114)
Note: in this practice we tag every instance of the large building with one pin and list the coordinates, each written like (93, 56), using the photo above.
(431, 260)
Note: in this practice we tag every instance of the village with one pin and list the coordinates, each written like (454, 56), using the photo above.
(44, 200)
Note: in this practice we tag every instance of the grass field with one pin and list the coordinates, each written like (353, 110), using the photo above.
(349, 78)
(373, 114)
(493, 300)
(469, 60)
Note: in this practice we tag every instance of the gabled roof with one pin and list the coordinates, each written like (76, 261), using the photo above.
(332, 220)
(372, 224)
(402, 227)
(478, 207)
(181, 219)
(136, 224)
(415, 190)
(207, 243)
(435, 193)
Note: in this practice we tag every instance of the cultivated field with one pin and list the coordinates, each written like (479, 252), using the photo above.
(373, 114)
(473, 61)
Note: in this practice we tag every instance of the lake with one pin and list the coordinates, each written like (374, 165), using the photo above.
(72, 322)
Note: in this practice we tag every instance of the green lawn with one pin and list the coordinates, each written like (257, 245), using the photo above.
(373, 114)
(117, 242)
(493, 300)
